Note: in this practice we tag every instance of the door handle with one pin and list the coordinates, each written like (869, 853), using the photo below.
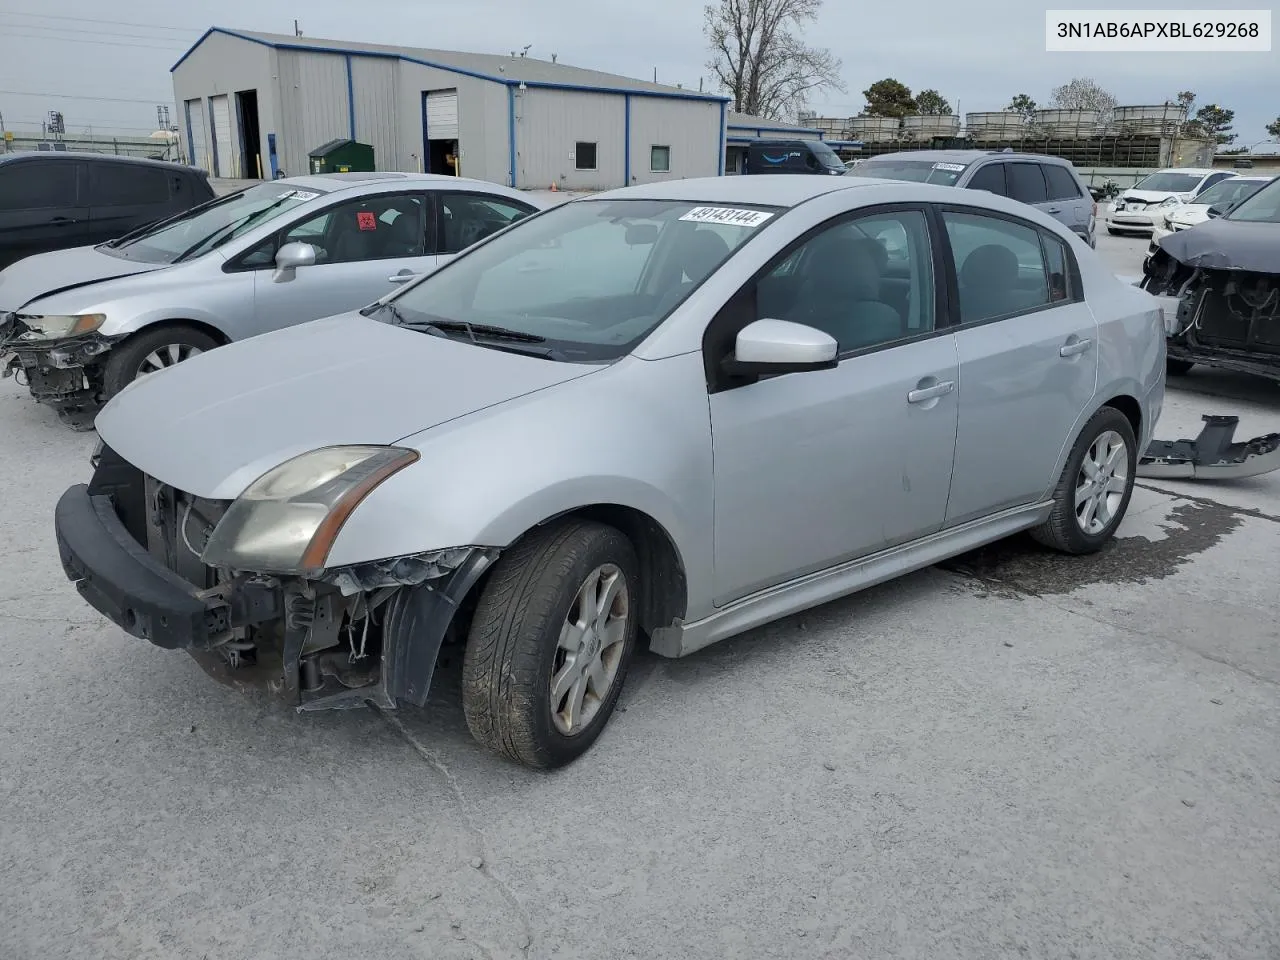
(62, 221)
(1074, 348)
(402, 277)
(921, 394)
(1054, 210)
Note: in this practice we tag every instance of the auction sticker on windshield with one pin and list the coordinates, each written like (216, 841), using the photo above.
(956, 167)
(299, 194)
(727, 215)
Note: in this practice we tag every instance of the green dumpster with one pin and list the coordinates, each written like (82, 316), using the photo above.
(342, 156)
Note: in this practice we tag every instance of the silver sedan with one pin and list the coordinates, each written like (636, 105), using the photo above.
(673, 412)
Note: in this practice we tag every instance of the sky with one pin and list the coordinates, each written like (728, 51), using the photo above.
(108, 75)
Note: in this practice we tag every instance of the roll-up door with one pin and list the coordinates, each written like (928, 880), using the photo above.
(222, 153)
(442, 115)
(198, 136)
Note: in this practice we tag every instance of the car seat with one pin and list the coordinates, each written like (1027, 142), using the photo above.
(841, 295)
(988, 283)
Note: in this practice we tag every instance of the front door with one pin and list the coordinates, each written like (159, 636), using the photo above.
(812, 469)
(42, 208)
(1028, 349)
(364, 248)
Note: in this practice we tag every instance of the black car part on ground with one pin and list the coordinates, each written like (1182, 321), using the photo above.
(1226, 279)
(1213, 455)
(366, 633)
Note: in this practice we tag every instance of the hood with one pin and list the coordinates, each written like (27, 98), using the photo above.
(45, 273)
(1150, 196)
(215, 423)
(1227, 245)
(1190, 213)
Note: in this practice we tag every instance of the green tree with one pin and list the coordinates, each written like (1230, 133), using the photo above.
(888, 98)
(1024, 106)
(1216, 122)
(758, 57)
(1273, 128)
(933, 104)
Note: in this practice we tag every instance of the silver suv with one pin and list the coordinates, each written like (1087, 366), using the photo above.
(1050, 184)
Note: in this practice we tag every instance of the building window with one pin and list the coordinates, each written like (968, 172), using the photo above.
(660, 159)
(584, 155)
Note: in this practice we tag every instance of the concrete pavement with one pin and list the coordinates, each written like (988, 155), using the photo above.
(1017, 755)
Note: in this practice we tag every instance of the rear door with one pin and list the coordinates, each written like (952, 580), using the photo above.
(1028, 352)
(364, 247)
(41, 207)
(124, 196)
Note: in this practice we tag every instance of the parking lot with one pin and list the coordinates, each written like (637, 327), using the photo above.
(1018, 754)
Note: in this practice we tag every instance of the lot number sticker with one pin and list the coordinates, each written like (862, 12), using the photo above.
(949, 166)
(727, 215)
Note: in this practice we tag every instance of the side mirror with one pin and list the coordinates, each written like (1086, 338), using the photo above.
(641, 234)
(768, 347)
(290, 257)
(1215, 211)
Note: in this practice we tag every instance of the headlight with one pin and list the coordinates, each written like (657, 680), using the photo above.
(287, 519)
(57, 326)
(1169, 202)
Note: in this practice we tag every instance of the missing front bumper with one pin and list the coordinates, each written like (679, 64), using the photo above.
(1213, 455)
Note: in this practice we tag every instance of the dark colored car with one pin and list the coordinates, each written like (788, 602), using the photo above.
(1222, 280)
(792, 156)
(1049, 184)
(52, 201)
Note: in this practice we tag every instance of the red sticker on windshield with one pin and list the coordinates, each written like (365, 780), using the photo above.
(366, 220)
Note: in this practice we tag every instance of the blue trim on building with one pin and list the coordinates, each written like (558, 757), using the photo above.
(724, 108)
(506, 81)
(191, 143)
(272, 157)
(351, 98)
(213, 139)
(511, 132)
(626, 140)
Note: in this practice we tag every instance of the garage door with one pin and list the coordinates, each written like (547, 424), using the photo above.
(442, 115)
(221, 107)
(199, 136)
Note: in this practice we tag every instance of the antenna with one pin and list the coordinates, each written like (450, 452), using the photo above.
(297, 30)
(553, 57)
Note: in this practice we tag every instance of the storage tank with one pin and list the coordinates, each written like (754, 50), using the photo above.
(928, 126)
(1149, 120)
(995, 125)
(1067, 124)
(873, 129)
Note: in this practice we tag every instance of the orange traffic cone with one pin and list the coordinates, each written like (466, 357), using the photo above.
(554, 188)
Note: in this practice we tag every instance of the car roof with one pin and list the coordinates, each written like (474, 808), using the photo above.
(773, 191)
(1203, 171)
(38, 155)
(965, 156)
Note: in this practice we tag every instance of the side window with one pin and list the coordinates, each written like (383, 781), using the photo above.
(989, 178)
(584, 155)
(1062, 185)
(1026, 183)
(865, 282)
(999, 266)
(1059, 265)
(124, 185)
(378, 227)
(1210, 180)
(467, 218)
(37, 185)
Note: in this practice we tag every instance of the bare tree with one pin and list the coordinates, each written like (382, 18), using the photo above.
(1083, 94)
(758, 57)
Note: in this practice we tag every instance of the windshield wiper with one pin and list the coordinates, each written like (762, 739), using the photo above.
(475, 330)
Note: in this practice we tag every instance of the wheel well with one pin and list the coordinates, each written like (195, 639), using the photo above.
(208, 328)
(1132, 411)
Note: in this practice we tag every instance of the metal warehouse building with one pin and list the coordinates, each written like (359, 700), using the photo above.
(254, 105)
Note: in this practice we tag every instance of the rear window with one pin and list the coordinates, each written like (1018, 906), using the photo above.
(1062, 185)
(121, 185)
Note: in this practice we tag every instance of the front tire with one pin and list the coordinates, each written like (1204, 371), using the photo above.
(1095, 487)
(149, 351)
(550, 642)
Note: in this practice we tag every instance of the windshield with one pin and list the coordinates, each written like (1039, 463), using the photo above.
(1227, 192)
(1261, 207)
(205, 228)
(945, 173)
(1170, 182)
(588, 279)
(826, 156)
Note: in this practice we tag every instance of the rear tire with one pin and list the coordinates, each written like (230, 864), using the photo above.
(1095, 487)
(1177, 368)
(151, 350)
(550, 642)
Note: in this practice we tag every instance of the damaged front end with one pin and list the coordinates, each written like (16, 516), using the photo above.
(1223, 302)
(63, 372)
(339, 638)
